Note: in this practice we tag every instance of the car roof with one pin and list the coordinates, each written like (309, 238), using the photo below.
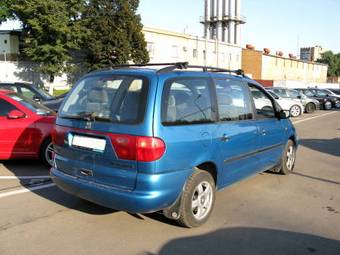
(17, 83)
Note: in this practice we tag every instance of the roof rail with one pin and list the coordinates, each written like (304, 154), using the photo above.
(179, 65)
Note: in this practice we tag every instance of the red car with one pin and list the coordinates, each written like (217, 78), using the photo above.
(25, 128)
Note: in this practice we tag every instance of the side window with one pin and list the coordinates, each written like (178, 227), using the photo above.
(5, 107)
(233, 100)
(293, 93)
(264, 106)
(187, 101)
(27, 92)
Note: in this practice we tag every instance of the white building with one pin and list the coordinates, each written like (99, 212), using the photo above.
(9, 44)
(166, 46)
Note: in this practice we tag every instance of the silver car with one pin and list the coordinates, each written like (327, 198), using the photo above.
(310, 104)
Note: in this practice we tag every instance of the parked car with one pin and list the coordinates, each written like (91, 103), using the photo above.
(25, 128)
(326, 101)
(295, 108)
(332, 92)
(335, 91)
(310, 104)
(35, 93)
(145, 140)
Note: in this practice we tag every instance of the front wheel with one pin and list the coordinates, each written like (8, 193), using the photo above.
(197, 200)
(288, 158)
(295, 111)
(310, 108)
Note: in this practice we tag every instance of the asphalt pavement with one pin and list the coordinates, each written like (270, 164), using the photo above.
(265, 214)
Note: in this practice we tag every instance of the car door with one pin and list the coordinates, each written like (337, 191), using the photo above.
(16, 135)
(237, 132)
(270, 128)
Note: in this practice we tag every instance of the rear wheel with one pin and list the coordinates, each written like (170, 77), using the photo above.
(46, 152)
(310, 108)
(197, 200)
(288, 158)
(295, 111)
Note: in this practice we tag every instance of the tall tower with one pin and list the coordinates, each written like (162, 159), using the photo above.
(222, 20)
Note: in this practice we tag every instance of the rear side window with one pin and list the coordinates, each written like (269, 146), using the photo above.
(233, 100)
(187, 101)
(119, 99)
(5, 107)
(27, 92)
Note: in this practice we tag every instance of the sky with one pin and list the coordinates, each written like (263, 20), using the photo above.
(282, 25)
(276, 24)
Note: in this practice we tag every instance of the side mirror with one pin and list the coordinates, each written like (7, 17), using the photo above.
(284, 114)
(36, 98)
(16, 114)
(299, 97)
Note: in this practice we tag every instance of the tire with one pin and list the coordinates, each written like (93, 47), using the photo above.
(327, 105)
(46, 152)
(310, 108)
(295, 111)
(200, 190)
(288, 158)
(337, 104)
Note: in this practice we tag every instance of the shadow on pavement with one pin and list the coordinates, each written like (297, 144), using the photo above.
(328, 146)
(251, 241)
(316, 178)
(36, 168)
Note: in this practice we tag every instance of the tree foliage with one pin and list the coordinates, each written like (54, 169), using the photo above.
(49, 31)
(114, 33)
(107, 32)
(333, 62)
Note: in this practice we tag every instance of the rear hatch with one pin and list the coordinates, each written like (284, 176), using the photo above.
(96, 131)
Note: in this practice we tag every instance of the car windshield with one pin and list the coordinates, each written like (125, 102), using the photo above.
(119, 99)
(30, 104)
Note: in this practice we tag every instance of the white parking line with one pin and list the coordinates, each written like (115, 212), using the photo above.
(25, 190)
(11, 177)
(314, 117)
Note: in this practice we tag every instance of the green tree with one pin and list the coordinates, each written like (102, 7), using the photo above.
(333, 62)
(114, 33)
(51, 28)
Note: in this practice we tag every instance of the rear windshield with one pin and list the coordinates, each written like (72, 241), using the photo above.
(30, 104)
(119, 99)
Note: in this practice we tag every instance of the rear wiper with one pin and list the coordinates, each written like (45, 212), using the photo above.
(87, 116)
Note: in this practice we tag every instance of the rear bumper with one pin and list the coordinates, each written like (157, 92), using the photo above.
(152, 192)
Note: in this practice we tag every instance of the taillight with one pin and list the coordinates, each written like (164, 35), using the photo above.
(58, 135)
(140, 148)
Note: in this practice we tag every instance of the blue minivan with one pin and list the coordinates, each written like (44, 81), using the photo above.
(165, 139)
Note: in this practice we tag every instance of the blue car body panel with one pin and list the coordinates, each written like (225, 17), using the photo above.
(252, 146)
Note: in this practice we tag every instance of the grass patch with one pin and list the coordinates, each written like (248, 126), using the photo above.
(60, 92)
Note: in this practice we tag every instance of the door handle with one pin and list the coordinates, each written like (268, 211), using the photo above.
(225, 138)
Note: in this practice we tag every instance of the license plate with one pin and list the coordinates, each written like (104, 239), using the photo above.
(91, 143)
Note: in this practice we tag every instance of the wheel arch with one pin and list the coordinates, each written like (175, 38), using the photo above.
(211, 168)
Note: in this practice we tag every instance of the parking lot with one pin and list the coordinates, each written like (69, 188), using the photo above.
(266, 214)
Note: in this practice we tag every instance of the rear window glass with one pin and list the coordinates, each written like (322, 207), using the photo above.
(187, 101)
(119, 99)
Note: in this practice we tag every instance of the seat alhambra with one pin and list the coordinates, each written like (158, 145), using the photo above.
(166, 139)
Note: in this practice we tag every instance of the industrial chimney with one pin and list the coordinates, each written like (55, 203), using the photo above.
(222, 20)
